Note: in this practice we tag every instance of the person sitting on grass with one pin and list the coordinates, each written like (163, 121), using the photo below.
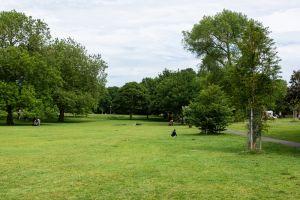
(36, 121)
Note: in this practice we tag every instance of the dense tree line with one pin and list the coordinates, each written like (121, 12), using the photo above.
(239, 78)
(165, 94)
(40, 76)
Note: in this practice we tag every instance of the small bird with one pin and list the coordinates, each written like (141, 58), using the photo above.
(174, 134)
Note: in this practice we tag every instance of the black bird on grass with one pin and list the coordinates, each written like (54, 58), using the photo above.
(174, 134)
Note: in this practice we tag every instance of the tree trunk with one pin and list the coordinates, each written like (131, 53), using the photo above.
(61, 117)
(260, 143)
(130, 116)
(147, 116)
(294, 114)
(9, 118)
(250, 137)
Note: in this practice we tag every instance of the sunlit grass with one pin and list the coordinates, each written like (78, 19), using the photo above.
(286, 129)
(102, 158)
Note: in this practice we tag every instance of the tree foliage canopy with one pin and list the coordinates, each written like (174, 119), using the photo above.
(210, 111)
(238, 54)
(132, 98)
(38, 74)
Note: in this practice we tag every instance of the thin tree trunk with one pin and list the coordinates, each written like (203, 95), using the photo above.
(61, 117)
(9, 118)
(260, 143)
(251, 129)
(294, 114)
(130, 115)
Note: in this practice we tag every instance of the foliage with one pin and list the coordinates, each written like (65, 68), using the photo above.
(293, 95)
(83, 77)
(107, 103)
(19, 30)
(132, 98)
(280, 93)
(241, 57)
(39, 76)
(151, 86)
(254, 77)
(215, 41)
(176, 89)
(22, 67)
(210, 111)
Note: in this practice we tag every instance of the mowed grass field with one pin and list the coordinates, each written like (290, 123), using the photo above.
(285, 129)
(102, 158)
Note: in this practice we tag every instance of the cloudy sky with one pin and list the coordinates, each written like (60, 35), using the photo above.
(139, 38)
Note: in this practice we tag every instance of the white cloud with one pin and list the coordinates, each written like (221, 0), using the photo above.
(283, 21)
(141, 38)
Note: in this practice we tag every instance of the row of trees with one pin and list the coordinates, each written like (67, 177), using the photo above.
(165, 94)
(40, 76)
(238, 78)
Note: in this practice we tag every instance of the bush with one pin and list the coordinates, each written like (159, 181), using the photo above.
(210, 111)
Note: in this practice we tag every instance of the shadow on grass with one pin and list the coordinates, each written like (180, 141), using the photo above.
(200, 134)
(135, 118)
(49, 122)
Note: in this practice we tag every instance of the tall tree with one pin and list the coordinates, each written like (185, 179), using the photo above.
(22, 67)
(132, 98)
(176, 89)
(83, 77)
(239, 55)
(254, 77)
(215, 41)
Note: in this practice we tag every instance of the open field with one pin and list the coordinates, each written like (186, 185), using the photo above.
(98, 158)
(285, 129)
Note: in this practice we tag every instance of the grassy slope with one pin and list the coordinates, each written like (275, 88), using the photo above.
(114, 159)
(286, 129)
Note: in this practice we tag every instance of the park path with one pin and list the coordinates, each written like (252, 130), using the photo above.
(267, 139)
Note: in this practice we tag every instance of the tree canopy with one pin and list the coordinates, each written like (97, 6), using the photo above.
(132, 98)
(238, 54)
(293, 94)
(39, 75)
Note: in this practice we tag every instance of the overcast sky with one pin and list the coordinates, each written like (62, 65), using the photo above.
(139, 38)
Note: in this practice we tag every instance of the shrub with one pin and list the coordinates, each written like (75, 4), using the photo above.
(210, 111)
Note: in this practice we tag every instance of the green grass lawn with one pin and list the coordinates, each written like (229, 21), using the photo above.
(101, 158)
(286, 129)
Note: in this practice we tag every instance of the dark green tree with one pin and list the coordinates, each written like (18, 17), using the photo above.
(22, 64)
(293, 95)
(210, 111)
(83, 77)
(215, 41)
(280, 93)
(113, 93)
(132, 98)
(151, 86)
(176, 89)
